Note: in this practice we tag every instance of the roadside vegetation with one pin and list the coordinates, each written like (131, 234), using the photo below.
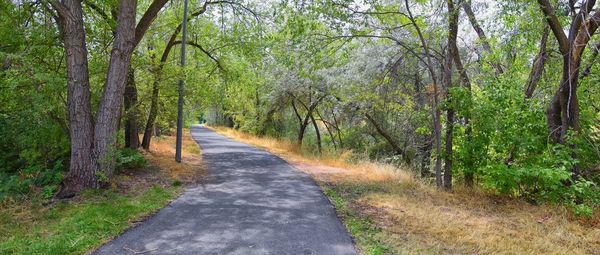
(490, 105)
(144, 183)
(389, 210)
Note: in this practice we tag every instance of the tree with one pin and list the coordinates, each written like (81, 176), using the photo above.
(93, 143)
(563, 112)
(451, 56)
(435, 111)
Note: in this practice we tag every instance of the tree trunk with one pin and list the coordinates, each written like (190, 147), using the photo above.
(132, 139)
(158, 78)
(302, 124)
(466, 82)
(153, 109)
(93, 145)
(328, 130)
(301, 133)
(538, 65)
(112, 98)
(82, 167)
(452, 52)
(563, 111)
(337, 128)
(309, 110)
(318, 133)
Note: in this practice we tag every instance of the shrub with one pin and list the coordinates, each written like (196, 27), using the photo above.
(130, 159)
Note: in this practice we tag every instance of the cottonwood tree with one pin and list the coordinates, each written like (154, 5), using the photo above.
(93, 140)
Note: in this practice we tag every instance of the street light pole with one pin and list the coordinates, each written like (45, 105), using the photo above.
(180, 88)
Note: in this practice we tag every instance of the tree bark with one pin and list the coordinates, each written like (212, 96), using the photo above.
(302, 122)
(563, 113)
(152, 115)
(132, 139)
(309, 111)
(154, 98)
(301, 132)
(328, 129)
(337, 128)
(114, 86)
(82, 167)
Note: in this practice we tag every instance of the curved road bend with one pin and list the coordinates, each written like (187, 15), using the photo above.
(252, 203)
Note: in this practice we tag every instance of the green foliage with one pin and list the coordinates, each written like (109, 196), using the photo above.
(130, 159)
(29, 179)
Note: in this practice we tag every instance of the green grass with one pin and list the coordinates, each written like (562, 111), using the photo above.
(77, 227)
(364, 231)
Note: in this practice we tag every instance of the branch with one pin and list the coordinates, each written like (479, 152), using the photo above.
(400, 43)
(538, 65)
(387, 137)
(60, 8)
(111, 22)
(555, 25)
(480, 33)
(204, 51)
(147, 19)
(588, 68)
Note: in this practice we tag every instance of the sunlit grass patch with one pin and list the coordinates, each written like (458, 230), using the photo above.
(75, 228)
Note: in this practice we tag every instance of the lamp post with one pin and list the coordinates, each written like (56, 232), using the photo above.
(180, 88)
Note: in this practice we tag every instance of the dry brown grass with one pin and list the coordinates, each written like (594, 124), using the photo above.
(162, 169)
(418, 219)
(162, 155)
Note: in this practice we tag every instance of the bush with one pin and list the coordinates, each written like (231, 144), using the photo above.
(544, 184)
(130, 159)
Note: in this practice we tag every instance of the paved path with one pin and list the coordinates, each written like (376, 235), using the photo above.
(253, 203)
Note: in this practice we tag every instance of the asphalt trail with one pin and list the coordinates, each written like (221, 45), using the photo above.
(252, 203)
